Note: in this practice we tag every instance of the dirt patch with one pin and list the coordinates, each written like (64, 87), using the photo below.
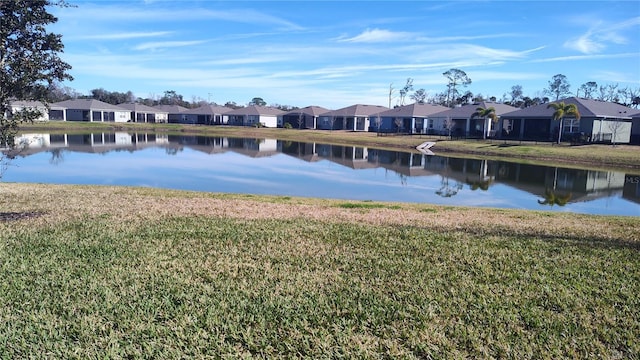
(13, 216)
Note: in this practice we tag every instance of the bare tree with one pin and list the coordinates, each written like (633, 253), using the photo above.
(405, 90)
(588, 89)
(391, 90)
(399, 123)
(378, 123)
(449, 125)
(300, 120)
(419, 96)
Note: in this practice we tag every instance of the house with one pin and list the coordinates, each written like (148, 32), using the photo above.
(354, 118)
(413, 118)
(175, 113)
(305, 118)
(53, 112)
(635, 128)
(254, 114)
(145, 114)
(92, 110)
(207, 115)
(600, 121)
(464, 121)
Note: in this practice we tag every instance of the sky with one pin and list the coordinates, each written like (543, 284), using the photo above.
(339, 53)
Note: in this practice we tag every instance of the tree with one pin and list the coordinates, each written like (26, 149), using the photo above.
(560, 111)
(516, 94)
(419, 96)
(486, 113)
(588, 89)
(258, 101)
(558, 86)
(29, 60)
(449, 125)
(405, 90)
(456, 78)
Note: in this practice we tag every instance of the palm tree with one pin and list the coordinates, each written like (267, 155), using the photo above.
(562, 110)
(486, 113)
(552, 198)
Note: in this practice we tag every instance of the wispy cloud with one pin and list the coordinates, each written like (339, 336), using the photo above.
(378, 35)
(586, 57)
(128, 35)
(168, 44)
(601, 35)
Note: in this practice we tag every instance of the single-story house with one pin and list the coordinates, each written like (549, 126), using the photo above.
(254, 114)
(412, 118)
(305, 118)
(175, 113)
(145, 114)
(207, 115)
(635, 127)
(355, 118)
(600, 121)
(53, 112)
(464, 121)
(93, 111)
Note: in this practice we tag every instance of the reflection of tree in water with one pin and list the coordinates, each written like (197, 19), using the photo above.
(479, 184)
(447, 189)
(552, 198)
(57, 156)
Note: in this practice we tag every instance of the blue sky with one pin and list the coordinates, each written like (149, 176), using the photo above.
(339, 53)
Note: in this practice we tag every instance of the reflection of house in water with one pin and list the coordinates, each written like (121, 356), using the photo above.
(254, 147)
(631, 189)
(205, 144)
(300, 150)
(581, 185)
(354, 157)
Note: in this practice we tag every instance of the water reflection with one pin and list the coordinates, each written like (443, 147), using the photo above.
(453, 180)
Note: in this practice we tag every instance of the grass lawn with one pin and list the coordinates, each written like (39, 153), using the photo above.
(592, 155)
(111, 272)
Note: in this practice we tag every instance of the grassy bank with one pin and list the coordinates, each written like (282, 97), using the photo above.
(89, 272)
(595, 156)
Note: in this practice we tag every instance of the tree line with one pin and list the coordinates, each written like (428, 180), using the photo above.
(558, 87)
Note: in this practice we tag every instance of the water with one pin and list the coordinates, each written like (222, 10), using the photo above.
(269, 166)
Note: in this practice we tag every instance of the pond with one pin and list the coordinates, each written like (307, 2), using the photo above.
(286, 168)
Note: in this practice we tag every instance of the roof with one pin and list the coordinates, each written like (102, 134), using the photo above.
(33, 104)
(413, 110)
(309, 110)
(140, 108)
(467, 111)
(357, 110)
(256, 110)
(171, 109)
(88, 104)
(586, 108)
(209, 110)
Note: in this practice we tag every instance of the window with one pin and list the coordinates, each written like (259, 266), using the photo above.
(571, 125)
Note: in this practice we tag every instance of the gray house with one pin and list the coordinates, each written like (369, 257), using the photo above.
(175, 113)
(635, 127)
(355, 118)
(145, 114)
(412, 118)
(305, 118)
(464, 121)
(600, 121)
(54, 112)
(207, 115)
(93, 111)
(254, 114)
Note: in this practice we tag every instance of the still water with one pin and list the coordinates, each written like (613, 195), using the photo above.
(269, 166)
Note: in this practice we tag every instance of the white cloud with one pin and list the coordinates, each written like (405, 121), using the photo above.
(378, 35)
(129, 35)
(600, 36)
(168, 44)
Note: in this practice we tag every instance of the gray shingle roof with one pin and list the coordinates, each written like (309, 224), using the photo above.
(309, 110)
(88, 104)
(466, 111)
(413, 110)
(209, 110)
(141, 108)
(357, 110)
(256, 110)
(586, 108)
(171, 109)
